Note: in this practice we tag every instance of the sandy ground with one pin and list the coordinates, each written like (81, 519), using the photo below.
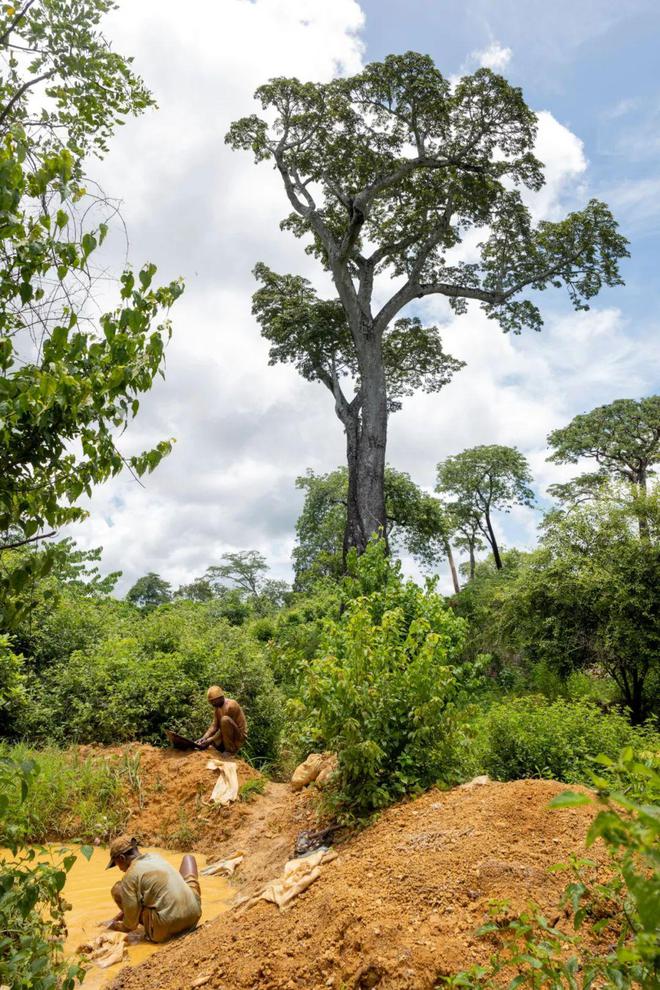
(397, 909)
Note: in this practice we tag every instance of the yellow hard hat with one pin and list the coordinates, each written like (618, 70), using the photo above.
(214, 692)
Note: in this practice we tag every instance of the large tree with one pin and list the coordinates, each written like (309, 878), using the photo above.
(416, 523)
(386, 172)
(483, 480)
(71, 376)
(623, 438)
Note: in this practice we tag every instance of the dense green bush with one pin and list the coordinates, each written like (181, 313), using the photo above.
(133, 687)
(383, 692)
(531, 737)
(12, 689)
(585, 599)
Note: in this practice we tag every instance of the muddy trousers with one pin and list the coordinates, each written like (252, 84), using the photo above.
(229, 738)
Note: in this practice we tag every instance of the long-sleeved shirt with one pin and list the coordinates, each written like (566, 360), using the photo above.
(155, 895)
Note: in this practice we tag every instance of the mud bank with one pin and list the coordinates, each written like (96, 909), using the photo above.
(396, 910)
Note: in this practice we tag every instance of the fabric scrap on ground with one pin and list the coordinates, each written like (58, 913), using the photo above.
(299, 874)
(226, 786)
(105, 949)
(226, 867)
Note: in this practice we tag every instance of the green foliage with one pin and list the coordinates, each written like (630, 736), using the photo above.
(622, 437)
(252, 788)
(149, 591)
(483, 480)
(239, 588)
(531, 737)
(314, 335)
(32, 909)
(69, 796)
(12, 688)
(384, 690)
(415, 171)
(151, 674)
(585, 600)
(615, 922)
(69, 382)
(416, 522)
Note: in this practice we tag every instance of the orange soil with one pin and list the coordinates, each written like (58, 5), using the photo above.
(396, 910)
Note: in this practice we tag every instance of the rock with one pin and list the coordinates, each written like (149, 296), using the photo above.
(476, 782)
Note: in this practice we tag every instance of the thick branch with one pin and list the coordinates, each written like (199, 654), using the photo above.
(23, 89)
(23, 543)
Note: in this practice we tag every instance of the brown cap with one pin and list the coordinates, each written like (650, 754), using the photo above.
(215, 692)
(122, 844)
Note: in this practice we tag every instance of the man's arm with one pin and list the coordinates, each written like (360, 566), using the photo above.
(131, 906)
(209, 734)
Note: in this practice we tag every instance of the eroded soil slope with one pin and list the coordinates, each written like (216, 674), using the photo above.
(396, 909)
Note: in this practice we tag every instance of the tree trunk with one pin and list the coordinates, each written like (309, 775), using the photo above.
(642, 518)
(353, 530)
(472, 562)
(366, 471)
(493, 543)
(452, 567)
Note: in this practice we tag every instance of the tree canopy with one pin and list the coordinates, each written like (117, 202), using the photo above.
(622, 437)
(483, 480)
(385, 172)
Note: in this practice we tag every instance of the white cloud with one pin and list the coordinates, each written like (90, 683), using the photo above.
(245, 430)
(495, 57)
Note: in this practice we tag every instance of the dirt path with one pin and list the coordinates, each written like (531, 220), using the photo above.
(396, 910)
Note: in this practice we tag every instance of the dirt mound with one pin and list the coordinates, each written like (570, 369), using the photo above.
(397, 908)
(168, 793)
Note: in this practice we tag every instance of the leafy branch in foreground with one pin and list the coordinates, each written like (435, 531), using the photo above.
(71, 371)
(32, 908)
(615, 921)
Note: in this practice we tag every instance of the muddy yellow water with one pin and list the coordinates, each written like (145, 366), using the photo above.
(87, 889)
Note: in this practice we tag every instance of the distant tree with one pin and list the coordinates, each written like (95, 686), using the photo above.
(416, 523)
(150, 591)
(622, 437)
(241, 578)
(464, 526)
(385, 172)
(199, 590)
(243, 570)
(483, 480)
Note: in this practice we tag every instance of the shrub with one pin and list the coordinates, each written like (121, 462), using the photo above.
(384, 692)
(32, 919)
(531, 737)
(12, 689)
(134, 687)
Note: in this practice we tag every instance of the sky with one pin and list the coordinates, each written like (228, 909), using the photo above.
(244, 430)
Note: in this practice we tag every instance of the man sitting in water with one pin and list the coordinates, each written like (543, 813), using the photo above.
(152, 893)
(228, 730)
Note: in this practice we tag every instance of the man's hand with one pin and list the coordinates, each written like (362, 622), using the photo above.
(203, 743)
